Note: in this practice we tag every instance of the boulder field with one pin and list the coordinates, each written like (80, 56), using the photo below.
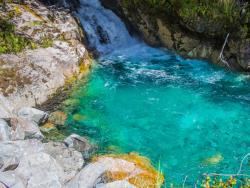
(27, 159)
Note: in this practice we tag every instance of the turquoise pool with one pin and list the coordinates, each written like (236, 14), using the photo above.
(177, 112)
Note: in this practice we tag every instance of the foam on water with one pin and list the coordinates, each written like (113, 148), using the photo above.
(105, 31)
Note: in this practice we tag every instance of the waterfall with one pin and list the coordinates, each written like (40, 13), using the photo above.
(105, 31)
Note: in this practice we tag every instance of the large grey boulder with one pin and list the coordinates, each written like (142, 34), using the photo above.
(23, 128)
(40, 164)
(68, 158)
(10, 179)
(91, 174)
(4, 130)
(40, 170)
(32, 114)
(13, 151)
(79, 143)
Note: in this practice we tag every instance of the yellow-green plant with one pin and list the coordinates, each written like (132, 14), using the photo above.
(10, 42)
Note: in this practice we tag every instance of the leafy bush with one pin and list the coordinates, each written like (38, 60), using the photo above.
(222, 13)
(10, 42)
(231, 182)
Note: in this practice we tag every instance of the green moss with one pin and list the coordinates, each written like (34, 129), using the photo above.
(220, 182)
(46, 42)
(219, 16)
(10, 42)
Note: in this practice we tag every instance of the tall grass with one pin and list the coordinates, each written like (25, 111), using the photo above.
(228, 6)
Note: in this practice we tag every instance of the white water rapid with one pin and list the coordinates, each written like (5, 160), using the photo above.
(105, 31)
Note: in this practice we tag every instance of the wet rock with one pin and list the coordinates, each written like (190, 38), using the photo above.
(40, 170)
(10, 179)
(57, 118)
(79, 117)
(23, 128)
(68, 158)
(4, 130)
(54, 135)
(32, 114)
(81, 144)
(116, 184)
(213, 160)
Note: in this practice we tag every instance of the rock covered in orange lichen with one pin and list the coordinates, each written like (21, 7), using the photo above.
(144, 174)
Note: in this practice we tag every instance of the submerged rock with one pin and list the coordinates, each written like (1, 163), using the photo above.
(4, 130)
(79, 143)
(57, 118)
(79, 117)
(213, 160)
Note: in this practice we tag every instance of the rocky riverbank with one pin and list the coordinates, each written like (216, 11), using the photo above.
(27, 159)
(192, 29)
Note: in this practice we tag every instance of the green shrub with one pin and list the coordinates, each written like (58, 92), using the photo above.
(222, 12)
(46, 42)
(219, 182)
(9, 41)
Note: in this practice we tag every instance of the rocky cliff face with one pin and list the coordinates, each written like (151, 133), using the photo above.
(53, 54)
(191, 34)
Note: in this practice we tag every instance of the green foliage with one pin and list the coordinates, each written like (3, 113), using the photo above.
(151, 5)
(9, 41)
(222, 11)
(223, 15)
(231, 182)
(46, 42)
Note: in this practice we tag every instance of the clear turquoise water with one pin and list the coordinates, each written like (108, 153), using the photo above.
(172, 110)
